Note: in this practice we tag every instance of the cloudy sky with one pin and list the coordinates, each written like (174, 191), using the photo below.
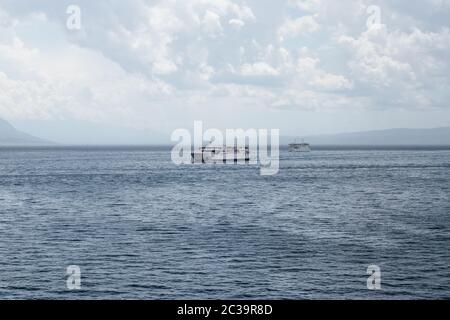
(303, 66)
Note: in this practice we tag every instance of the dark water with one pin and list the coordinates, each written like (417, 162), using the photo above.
(140, 227)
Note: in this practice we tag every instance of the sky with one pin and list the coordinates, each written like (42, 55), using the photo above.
(133, 71)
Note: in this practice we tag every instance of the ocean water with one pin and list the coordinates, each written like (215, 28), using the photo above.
(140, 227)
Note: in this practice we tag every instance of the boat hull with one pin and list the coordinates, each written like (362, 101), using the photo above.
(220, 156)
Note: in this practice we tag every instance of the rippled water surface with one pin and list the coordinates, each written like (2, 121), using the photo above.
(140, 227)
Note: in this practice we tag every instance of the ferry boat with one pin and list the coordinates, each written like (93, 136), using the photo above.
(220, 154)
(299, 147)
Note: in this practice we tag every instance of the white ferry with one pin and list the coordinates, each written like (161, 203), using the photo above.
(299, 147)
(220, 154)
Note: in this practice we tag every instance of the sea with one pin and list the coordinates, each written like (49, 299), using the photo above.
(137, 226)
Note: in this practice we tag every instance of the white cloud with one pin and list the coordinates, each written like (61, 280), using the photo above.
(328, 81)
(409, 65)
(311, 77)
(257, 69)
(292, 28)
(146, 62)
(211, 24)
(236, 23)
(307, 5)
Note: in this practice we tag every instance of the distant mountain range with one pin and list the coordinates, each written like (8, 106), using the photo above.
(10, 136)
(389, 137)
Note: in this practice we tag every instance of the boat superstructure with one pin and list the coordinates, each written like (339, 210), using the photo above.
(299, 147)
